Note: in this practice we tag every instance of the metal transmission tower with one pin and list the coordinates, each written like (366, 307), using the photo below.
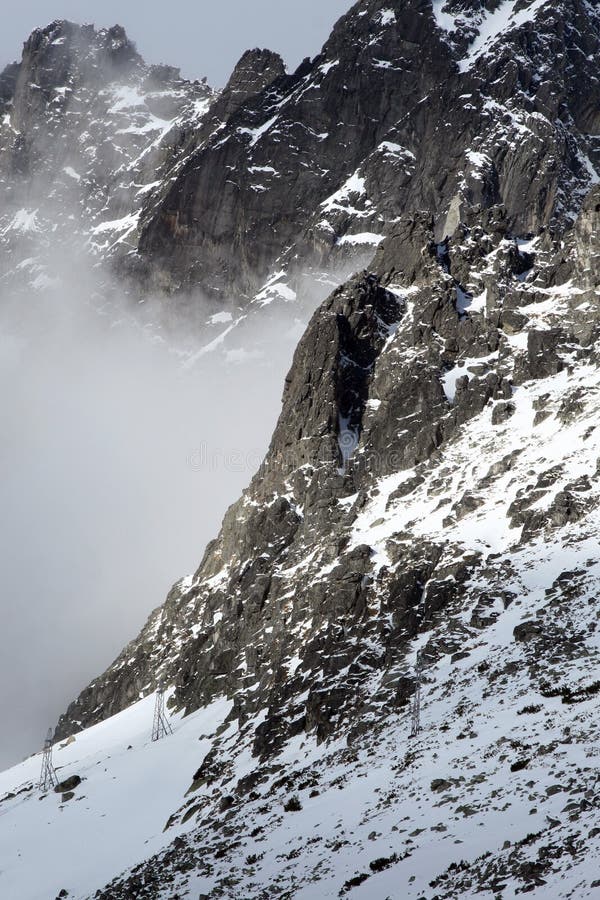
(48, 777)
(161, 726)
(416, 706)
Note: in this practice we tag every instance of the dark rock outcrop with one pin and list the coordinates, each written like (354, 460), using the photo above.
(375, 102)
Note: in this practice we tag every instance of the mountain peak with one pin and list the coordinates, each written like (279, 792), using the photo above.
(254, 71)
(63, 37)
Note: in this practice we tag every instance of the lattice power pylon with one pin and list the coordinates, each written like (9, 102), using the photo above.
(48, 776)
(161, 726)
(415, 726)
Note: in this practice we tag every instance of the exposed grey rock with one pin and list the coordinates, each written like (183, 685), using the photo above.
(397, 85)
(527, 631)
(502, 412)
(68, 785)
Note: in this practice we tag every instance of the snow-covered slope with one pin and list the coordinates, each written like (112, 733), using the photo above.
(482, 555)
(499, 788)
(429, 501)
(118, 812)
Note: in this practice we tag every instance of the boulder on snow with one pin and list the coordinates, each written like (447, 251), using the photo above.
(69, 784)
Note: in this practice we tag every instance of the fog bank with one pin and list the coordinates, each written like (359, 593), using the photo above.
(117, 466)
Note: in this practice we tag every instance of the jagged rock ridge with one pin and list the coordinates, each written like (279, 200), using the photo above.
(395, 127)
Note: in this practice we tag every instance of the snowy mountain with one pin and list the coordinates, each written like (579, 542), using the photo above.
(90, 139)
(382, 678)
(84, 131)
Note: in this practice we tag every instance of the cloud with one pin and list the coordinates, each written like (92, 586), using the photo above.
(104, 501)
(117, 461)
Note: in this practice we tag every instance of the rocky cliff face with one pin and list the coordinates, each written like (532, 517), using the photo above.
(399, 114)
(431, 487)
(291, 147)
(396, 361)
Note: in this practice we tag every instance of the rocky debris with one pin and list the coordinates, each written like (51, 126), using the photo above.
(527, 631)
(502, 412)
(401, 808)
(68, 785)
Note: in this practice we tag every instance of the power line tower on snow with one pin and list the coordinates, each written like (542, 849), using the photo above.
(416, 705)
(161, 726)
(48, 776)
